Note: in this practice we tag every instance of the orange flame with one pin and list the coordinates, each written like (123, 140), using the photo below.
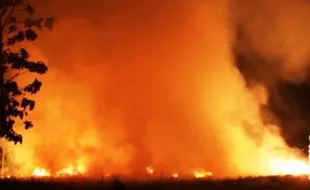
(279, 167)
(202, 174)
(290, 167)
(149, 170)
(41, 172)
(175, 175)
(70, 170)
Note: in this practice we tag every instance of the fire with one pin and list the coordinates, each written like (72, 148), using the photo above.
(149, 170)
(189, 101)
(290, 167)
(202, 174)
(41, 172)
(71, 170)
(175, 175)
(279, 167)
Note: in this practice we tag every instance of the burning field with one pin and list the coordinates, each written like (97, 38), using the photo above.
(155, 88)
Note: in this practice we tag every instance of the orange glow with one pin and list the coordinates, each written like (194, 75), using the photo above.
(131, 92)
(40, 172)
(175, 175)
(71, 170)
(202, 174)
(149, 170)
(290, 167)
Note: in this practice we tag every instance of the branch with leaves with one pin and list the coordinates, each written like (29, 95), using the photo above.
(18, 23)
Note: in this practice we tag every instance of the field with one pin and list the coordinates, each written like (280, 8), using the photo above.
(258, 183)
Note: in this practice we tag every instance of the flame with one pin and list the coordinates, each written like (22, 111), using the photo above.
(279, 167)
(41, 172)
(149, 170)
(202, 174)
(290, 167)
(175, 175)
(71, 170)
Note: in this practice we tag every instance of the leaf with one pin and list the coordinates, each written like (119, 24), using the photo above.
(12, 28)
(34, 87)
(11, 87)
(21, 115)
(30, 35)
(37, 67)
(13, 111)
(28, 23)
(16, 61)
(10, 42)
(38, 23)
(27, 103)
(18, 139)
(14, 102)
(49, 23)
(11, 135)
(24, 54)
(29, 9)
(28, 124)
(5, 68)
(20, 36)
(31, 105)
(12, 19)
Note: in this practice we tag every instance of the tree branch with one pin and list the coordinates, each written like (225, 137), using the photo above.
(4, 10)
(9, 15)
(18, 74)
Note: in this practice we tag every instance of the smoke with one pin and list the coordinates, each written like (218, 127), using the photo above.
(278, 33)
(272, 48)
(154, 83)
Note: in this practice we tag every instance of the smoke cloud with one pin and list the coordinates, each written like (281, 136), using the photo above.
(154, 83)
(272, 48)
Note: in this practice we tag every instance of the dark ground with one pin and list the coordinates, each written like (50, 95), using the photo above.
(265, 183)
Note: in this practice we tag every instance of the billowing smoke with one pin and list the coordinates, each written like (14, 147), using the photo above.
(272, 48)
(154, 83)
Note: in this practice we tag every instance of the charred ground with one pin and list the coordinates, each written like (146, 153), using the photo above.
(259, 183)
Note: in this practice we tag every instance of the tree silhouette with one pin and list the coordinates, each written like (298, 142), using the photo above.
(17, 24)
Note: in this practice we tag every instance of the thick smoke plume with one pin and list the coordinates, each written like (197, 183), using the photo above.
(154, 83)
(272, 48)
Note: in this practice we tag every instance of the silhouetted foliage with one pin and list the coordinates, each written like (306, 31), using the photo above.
(17, 24)
(117, 184)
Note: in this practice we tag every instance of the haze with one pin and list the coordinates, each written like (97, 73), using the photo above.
(154, 83)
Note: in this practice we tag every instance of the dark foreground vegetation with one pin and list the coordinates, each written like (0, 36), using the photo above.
(258, 183)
